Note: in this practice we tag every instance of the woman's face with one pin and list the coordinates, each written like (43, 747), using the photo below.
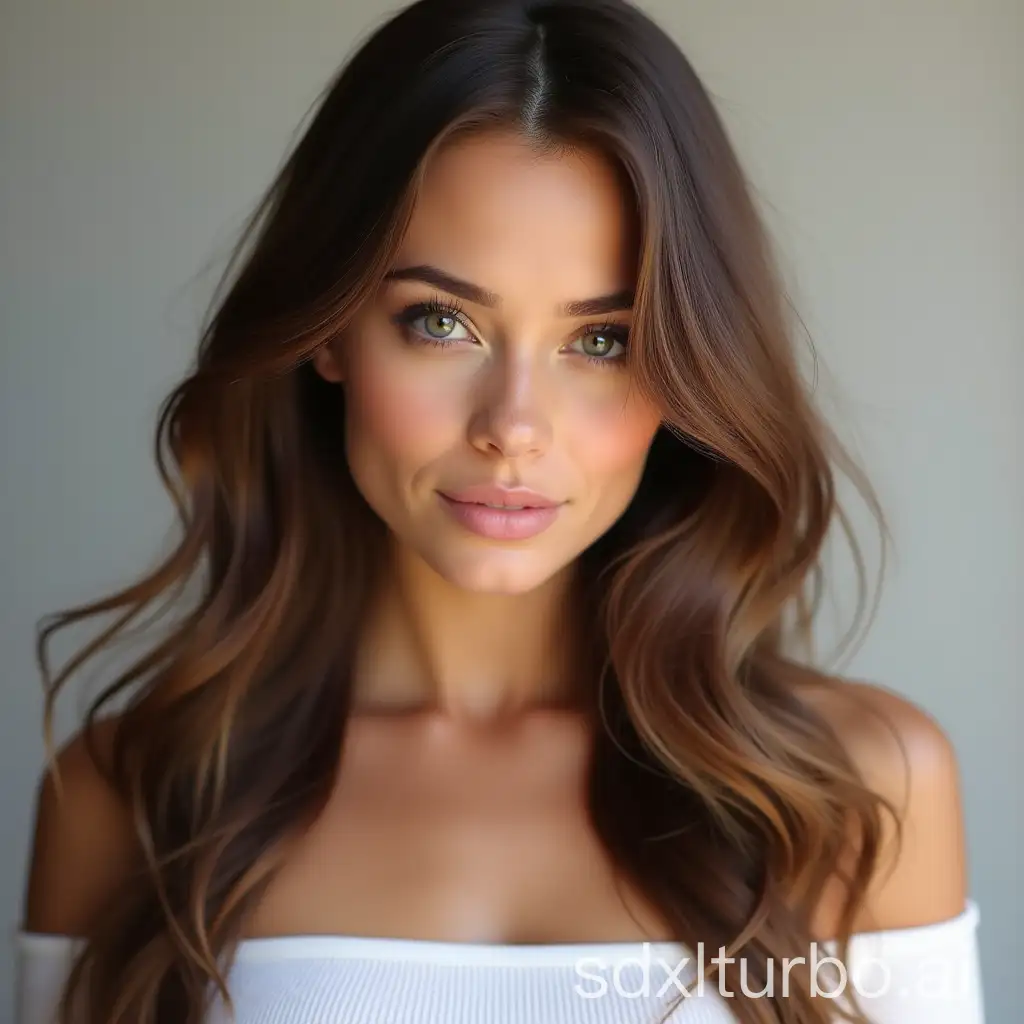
(494, 356)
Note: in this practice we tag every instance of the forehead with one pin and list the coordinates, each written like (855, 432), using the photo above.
(552, 226)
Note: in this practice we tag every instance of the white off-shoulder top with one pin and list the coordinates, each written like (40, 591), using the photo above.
(923, 975)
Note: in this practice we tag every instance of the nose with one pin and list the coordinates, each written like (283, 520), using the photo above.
(512, 414)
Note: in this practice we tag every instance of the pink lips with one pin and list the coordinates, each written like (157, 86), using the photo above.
(529, 514)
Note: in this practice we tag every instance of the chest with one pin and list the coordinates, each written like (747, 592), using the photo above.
(484, 841)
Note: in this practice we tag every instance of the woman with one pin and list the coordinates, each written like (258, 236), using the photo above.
(503, 496)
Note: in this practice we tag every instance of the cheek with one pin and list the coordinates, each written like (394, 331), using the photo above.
(609, 438)
(395, 412)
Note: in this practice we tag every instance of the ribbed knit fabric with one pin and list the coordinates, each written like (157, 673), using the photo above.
(930, 975)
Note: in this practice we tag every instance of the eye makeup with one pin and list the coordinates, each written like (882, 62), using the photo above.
(448, 315)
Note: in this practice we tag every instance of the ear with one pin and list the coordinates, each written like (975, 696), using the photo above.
(327, 363)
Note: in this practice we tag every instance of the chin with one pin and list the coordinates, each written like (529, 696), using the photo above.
(496, 572)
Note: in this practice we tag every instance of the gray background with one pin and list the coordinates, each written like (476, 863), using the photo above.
(885, 140)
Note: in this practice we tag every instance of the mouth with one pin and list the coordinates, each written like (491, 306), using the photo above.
(507, 498)
(487, 504)
(501, 520)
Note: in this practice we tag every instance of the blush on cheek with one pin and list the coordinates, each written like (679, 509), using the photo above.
(609, 444)
(399, 413)
(613, 427)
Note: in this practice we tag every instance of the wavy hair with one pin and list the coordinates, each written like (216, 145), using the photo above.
(716, 788)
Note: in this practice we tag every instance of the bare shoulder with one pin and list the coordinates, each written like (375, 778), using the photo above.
(901, 750)
(83, 841)
(907, 758)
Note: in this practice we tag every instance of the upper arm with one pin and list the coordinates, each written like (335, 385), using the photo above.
(83, 843)
(905, 757)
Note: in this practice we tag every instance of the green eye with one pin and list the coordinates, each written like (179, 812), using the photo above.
(432, 322)
(439, 325)
(598, 343)
(603, 345)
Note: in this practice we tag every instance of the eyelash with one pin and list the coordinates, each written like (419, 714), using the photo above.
(451, 308)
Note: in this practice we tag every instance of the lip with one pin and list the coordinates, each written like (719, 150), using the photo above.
(490, 494)
(471, 508)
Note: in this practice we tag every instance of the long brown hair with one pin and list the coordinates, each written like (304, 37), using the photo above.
(714, 786)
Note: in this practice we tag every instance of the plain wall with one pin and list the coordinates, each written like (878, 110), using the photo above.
(885, 141)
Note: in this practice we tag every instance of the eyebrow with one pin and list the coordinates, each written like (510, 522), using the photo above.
(427, 274)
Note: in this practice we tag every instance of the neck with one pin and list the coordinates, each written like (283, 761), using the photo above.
(431, 646)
